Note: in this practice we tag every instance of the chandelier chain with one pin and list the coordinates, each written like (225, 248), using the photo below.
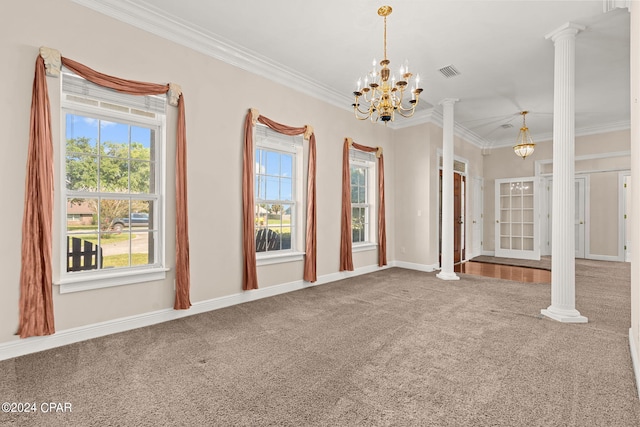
(385, 37)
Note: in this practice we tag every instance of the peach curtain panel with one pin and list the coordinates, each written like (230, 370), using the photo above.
(250, 278)
(36, 304)
(36, 300)
(249, 271)
(346, 256)
(183, 269)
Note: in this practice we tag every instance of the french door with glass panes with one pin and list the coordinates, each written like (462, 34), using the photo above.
(516, 213)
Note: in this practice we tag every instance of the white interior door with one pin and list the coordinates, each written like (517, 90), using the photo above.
(476, 217)
(580, 215)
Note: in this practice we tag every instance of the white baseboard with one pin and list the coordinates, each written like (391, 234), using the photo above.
(489, 253)
(20, 347)
(634, 359)
(418, 267)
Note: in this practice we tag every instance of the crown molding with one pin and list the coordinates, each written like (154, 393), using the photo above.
(149, 19)
(583, 131)
(434, 116)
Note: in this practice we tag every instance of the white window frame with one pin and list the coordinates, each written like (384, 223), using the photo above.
(361, 159)
(267, 139)
(76, 103)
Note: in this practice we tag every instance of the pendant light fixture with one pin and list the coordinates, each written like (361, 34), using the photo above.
(524, 144)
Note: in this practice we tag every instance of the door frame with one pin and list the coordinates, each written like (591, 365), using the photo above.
(586, 220)
(547, 222)
(477, 216)
(624, 212)
(459, 223)
(465, 203)
(518, 221)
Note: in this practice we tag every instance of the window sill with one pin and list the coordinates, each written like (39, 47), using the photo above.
(363, 247)
(266, 259)
(92, 280)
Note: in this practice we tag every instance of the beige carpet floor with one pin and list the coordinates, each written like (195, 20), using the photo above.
(395, 347)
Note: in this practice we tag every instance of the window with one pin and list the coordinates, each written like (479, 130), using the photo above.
(362, 171)
(278, 194)
(112, 186)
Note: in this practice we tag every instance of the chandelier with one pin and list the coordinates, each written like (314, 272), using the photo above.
(524, 144)
(383, 97)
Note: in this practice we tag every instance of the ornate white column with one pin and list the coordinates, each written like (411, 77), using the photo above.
(446, 268)
(563, 268)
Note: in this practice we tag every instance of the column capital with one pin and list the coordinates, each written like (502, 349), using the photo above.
(567, 29)
(448, 101)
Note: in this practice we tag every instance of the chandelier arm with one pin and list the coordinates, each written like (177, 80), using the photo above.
(361, 115)
(361, 118)
(364, 113)
(406, 115)
(412, 107)
(364, 96)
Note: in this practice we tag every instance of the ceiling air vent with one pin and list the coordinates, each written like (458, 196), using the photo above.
(506, 126)
(449, 71)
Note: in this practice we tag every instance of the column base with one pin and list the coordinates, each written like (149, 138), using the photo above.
(447, 276)
(564, 316)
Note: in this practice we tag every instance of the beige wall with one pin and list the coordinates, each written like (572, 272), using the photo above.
(413, 192)
(602, 173)
(217, 97)
(417, 188)
(603, 214)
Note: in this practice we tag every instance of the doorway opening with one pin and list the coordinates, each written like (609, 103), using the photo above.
(459, 217)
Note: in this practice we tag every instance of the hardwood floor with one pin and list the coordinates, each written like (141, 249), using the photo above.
(520, 274)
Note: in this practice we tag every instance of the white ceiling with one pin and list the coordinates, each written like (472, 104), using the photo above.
(499, 47)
